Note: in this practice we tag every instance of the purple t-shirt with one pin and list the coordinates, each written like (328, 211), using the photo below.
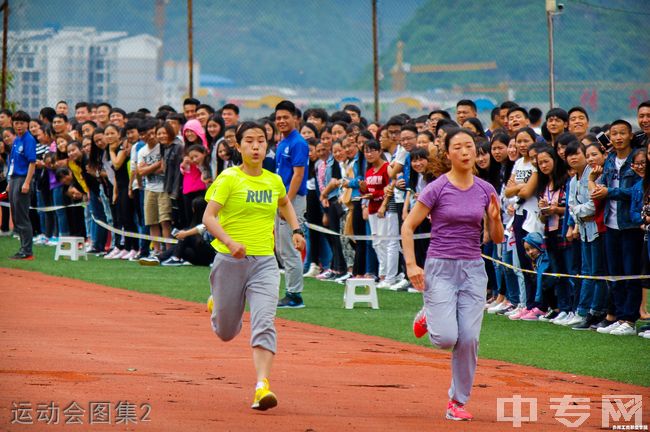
(52, 177)
(456, 217)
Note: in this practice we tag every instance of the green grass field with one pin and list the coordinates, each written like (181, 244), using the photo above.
(536, 344)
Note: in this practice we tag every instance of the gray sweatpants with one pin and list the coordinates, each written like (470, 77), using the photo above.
(20, 213)
(232, 282)
(290, 257)
(454, 297)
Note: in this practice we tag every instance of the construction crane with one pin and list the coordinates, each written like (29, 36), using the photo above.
(401, 69)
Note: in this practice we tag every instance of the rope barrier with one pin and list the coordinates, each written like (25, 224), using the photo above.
(351, 237)
(504, 264)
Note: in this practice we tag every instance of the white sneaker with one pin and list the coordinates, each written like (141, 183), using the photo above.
(561, 316)
(131, 255)
(149, 261)
(413, 291)
(325, 275)
(576, 320)
(313, 271)
(571, 316)
(500, 306)
(400, 286)
(646, 335)
(136, 257)
(341, 279)
(610, 328)
(643, 333)
(383, 285)
(491, 304)
(112, 254)
(172, 262)
(121, 254)
(563, 321)
(514, 311)
(625, 329)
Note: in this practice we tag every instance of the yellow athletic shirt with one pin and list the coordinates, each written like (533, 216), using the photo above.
(249, 204)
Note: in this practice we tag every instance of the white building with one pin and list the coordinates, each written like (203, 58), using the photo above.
(176, 76)
(80, 64)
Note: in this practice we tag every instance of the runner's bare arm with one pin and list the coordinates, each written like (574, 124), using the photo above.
(494, 225)
(211, 222)
(414, 219)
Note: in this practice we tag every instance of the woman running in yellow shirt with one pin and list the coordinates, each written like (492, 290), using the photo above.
(242, 203)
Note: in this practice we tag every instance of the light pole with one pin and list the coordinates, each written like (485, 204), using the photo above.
(551, 8)
(190, 49)
(5, 29)
(375, 60)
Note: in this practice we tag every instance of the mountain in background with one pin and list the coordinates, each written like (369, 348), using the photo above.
(602, 48)
(602, 53)
(593, 41)
(308, 43)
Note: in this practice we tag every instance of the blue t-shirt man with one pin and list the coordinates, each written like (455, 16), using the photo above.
(23, 153)
(292, 151)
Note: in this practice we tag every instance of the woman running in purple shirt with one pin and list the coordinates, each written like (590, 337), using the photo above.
(454, 279)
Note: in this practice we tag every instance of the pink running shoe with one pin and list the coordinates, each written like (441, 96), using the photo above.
(519, 314)
(538, 312)
(457, 412)
(420, 324)
(533, 315)
(530, 316)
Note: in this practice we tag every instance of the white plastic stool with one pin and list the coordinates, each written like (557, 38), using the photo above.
(350, 296)
(77, 248)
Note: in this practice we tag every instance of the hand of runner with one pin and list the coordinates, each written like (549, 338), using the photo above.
(416, 276)
(494, 209)
(298, 242)
(237, 250)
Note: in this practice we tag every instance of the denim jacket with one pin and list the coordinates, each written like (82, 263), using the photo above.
(623, 193)
(328, 177)
(582, 206)
(359, 175)
(636, 206)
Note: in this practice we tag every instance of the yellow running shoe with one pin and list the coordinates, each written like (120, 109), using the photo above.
(210, 303)
(264, 398)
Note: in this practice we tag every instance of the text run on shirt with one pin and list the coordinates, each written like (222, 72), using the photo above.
(259, 196)
(249, 204)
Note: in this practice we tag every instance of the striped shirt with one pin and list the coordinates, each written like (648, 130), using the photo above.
(41, 150)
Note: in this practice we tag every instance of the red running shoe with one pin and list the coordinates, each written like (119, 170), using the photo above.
(457, 412)
(420, 324)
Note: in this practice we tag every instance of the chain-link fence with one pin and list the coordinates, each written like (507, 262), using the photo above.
(319, 53)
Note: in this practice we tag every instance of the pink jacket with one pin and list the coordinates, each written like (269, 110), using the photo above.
(192, 178)
(195, 126)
